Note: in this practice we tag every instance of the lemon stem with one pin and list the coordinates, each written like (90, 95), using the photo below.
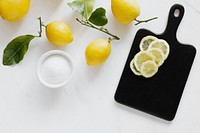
(102, 29)
(144, 21)
(41, 24)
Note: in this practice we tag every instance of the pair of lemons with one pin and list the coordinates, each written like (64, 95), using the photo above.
(125, 11)
(153, 53)
(57, 32)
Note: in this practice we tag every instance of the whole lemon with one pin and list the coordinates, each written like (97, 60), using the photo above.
(14, 10)
(59, 33)
(125, 11)
(97, 52)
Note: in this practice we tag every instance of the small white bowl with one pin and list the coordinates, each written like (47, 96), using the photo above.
(55, 69)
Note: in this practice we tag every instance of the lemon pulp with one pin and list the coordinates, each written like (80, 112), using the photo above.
(158, 54)
(153, 53)
(145, 42)
(141, 57)
(149, 68)
(133, 68)
(161, 44)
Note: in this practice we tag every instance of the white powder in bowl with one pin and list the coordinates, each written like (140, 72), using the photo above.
(55, 69)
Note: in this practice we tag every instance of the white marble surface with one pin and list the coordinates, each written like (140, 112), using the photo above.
(86, 104)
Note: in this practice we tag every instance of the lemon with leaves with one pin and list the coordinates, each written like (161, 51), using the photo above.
(14, 10)
(97, 52)
(125, 11)
(59, 33)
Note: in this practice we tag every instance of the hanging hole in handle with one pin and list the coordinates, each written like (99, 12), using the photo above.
(177, 13)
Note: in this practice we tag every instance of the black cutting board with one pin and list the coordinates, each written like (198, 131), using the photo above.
(159, 95)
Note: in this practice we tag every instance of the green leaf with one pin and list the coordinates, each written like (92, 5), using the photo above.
(88, 8)
(77, 5)
(16, 49)
(98, 17)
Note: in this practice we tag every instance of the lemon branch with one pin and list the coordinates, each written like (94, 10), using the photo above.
(144, 21)
(102, 29)
(41, 25)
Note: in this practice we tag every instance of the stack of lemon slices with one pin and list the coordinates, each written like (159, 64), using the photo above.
(153, 53)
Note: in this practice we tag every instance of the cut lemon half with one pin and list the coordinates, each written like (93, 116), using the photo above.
(145, 42)
(141, 57)
(158, 54)
(133, 68)
(161, 44)
(149, 68)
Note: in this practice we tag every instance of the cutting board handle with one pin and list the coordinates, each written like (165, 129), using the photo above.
(175, 16)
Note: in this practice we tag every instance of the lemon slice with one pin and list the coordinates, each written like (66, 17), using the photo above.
(158, 54)
(145, 42)
(149, 68)
(141, 57)
(133, 68)
(162, 44)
